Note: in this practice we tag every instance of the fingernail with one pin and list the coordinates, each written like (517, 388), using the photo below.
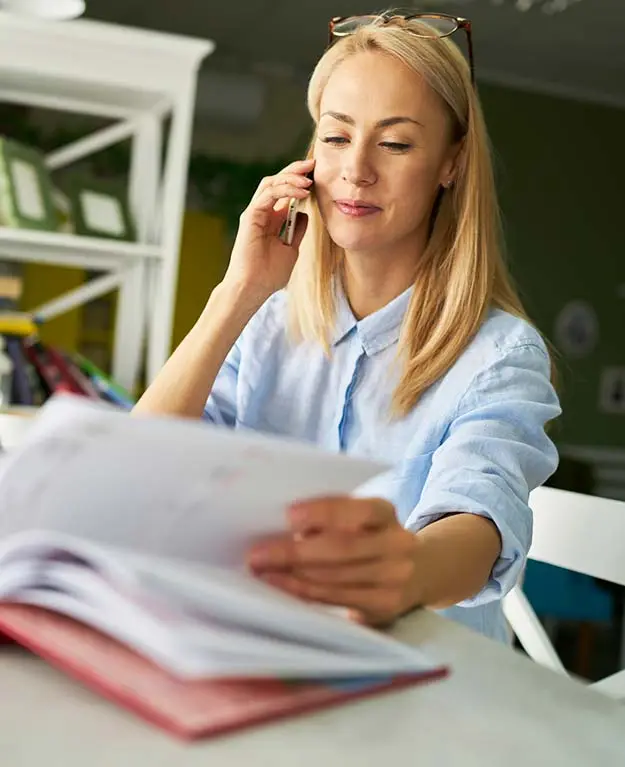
(357, 617)
(271, 579)
(259, 558)
(297, 512)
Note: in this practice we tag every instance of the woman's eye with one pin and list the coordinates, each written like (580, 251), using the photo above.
(392, 146)
(395, 146)
(334, 140)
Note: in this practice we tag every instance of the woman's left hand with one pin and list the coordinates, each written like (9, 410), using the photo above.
(344, 551)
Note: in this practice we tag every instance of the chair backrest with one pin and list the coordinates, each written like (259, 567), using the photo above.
(578, 532)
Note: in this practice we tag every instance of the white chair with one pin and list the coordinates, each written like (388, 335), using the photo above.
(578, 532)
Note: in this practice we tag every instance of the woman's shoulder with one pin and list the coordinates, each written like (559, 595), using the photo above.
(502, 332)
(507, 360)
(503, 339)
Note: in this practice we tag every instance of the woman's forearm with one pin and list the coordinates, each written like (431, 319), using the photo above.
(185, 381)
(455, 557)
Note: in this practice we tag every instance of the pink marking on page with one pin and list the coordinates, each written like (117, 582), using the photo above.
(187, 709)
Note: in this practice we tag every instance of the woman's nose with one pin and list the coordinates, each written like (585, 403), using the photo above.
(357, 168)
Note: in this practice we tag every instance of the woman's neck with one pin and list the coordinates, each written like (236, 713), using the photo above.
(371, 282)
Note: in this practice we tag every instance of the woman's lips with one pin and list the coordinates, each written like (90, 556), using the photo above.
(356, 209)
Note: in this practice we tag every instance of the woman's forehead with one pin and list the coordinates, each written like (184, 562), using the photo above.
(378, 86)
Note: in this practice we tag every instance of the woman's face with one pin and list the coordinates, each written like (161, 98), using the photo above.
(383, 149)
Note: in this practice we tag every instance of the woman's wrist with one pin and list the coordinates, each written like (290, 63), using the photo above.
(453, 559)
(230, 305)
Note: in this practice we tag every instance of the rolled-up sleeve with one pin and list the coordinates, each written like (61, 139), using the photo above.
(495, 452)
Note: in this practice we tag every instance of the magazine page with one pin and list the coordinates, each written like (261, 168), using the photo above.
(162, 486)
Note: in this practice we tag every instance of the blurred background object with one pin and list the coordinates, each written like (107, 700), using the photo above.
(56, 10)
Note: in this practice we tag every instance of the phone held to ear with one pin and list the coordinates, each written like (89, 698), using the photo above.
(288, 228)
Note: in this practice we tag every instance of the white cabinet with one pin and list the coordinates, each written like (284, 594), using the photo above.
(139, 79)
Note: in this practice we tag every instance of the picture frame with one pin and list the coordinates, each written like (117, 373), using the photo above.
(26, 192)
(100, 209)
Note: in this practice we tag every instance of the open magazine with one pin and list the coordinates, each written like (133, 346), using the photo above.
(137, 528)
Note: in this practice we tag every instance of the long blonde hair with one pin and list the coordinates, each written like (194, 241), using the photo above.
(462, 273)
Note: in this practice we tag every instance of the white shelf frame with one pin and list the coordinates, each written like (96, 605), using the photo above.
(137, 78)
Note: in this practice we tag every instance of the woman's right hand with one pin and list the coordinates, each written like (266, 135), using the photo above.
(260, 262)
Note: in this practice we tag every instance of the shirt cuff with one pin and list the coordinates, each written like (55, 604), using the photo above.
(514, 546)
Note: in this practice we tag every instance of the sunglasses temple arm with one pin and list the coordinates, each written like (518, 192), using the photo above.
(330, 32)
(467, 29)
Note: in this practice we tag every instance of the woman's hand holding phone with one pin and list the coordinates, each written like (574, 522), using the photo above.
(261, 262)
(260, 265)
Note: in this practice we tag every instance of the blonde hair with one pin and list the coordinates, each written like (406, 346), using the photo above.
(462, 273)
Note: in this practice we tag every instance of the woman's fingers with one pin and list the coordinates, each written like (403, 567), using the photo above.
(286, 552)
(379, 572)
(296, 173)
(373, 605)
(289, 182)
(299, 166)
(294, 179)
(341, 513)
(278, 191)
(347, 552)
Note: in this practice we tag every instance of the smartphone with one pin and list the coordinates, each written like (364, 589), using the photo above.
(288, 228)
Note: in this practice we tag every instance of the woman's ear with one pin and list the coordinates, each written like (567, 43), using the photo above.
(450, 165)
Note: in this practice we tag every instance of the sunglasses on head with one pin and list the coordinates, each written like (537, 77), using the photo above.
(432, 25)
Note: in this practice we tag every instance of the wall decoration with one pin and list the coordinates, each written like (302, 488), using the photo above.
(577, 329)
(612, 390)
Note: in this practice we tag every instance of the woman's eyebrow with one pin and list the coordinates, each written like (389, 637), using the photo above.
(385, 123)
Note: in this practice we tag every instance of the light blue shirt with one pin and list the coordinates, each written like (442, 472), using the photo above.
(475, 442)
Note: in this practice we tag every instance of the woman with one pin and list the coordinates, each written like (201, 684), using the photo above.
(389, 329)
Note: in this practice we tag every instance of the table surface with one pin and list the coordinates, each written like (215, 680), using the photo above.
(496, 708)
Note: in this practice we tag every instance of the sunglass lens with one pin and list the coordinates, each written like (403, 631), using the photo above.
(350, 25)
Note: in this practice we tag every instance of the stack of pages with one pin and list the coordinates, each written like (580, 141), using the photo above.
(122, 560)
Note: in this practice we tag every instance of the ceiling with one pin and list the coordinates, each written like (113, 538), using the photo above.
(578, 53)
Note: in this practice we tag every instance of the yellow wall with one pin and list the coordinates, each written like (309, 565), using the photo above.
(42, 283)
(203, 260)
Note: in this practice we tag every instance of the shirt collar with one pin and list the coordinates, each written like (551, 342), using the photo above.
(377, 331)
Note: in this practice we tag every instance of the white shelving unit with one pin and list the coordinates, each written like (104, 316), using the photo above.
(138, 79)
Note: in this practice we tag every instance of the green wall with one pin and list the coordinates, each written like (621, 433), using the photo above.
(561, 174)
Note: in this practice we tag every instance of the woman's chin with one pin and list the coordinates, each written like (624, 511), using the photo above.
(356, 242)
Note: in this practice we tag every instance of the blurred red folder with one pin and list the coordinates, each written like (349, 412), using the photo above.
(186, 709)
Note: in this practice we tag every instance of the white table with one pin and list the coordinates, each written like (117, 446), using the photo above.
(496, 709)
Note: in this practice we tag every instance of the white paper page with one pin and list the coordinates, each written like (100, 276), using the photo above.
(205, 609)
(209, 665)
(109, 581)
(100, 589)
(180, 646)
(163, 487)
(242, 601)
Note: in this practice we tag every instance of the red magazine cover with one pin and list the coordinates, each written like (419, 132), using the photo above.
(185, 709)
